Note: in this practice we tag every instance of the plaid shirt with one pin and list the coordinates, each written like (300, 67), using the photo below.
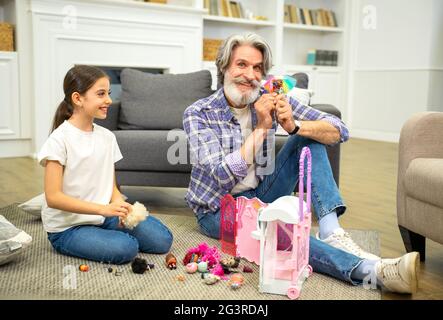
(215, 139)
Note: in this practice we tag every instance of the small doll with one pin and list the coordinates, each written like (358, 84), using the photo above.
(278, 84)
(171, 261)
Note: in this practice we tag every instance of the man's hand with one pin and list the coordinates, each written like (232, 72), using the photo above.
(284, 113)
(265, 107)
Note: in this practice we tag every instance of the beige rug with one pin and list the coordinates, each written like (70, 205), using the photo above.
(41, 273)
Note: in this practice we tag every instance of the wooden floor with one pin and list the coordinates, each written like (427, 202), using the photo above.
(367, 181)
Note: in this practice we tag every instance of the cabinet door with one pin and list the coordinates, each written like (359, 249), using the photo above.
(327, 89)
(9, 100)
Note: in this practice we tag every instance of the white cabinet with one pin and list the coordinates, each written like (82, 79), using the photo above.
(9, 96)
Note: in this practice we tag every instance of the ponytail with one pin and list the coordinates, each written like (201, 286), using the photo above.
(64, 112)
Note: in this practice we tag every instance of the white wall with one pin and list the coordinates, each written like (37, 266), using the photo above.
(397, 68)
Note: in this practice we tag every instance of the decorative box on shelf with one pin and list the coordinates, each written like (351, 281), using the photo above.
(6, 37)
(210, 48)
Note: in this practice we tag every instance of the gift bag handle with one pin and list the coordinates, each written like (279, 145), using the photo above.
(306, 152)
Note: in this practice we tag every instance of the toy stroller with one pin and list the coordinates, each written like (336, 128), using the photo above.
(284, 229)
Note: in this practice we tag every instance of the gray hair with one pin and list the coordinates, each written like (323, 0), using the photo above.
(250, 39)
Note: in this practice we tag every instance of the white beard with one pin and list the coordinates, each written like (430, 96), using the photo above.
(236, 96)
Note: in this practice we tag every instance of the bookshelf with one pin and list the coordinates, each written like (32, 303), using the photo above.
(9, 75)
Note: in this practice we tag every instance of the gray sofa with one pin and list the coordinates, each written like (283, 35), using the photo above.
(153, 105)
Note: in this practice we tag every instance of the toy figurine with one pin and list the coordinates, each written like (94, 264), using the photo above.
(278, 84)
(171, 261)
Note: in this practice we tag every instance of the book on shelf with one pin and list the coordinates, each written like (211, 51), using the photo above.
(323, 57)
(314, 17)
(224, 8)
(287, 13)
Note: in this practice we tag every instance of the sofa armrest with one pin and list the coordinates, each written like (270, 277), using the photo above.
(333, 151)
(328, 108)
(111, 121)
(420, 137)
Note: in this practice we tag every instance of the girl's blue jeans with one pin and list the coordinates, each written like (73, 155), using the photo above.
(110, 243)
(325, 199)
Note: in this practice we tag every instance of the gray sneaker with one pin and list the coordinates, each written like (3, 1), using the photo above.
(399, 275)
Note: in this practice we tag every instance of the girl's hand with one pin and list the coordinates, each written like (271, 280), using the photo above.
(116, 209)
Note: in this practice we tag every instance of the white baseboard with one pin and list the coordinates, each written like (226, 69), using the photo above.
(15, 148)
(375, 135)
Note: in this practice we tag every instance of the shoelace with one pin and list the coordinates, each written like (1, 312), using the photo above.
(390, 270)
(347, 241)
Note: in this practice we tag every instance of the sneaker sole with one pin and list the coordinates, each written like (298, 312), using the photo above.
(414, 269)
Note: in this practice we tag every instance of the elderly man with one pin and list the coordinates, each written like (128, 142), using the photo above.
(231, 139)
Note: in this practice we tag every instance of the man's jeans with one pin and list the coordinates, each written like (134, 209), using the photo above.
(325, 198)
(110, 243)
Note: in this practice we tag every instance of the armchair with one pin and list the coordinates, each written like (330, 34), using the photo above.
(420, 181)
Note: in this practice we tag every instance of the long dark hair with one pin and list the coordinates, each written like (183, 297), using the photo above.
(78, 79)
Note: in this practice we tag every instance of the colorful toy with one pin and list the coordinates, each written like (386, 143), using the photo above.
(236, 280)
(83, 268)
(203, 253)
(284, 257)
(278, 84)
(137, 215)
(171, 261)
(238, 220)
(210, 278)
(191, 267)
(202, 266)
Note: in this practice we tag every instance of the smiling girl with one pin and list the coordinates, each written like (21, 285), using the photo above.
(83, 205)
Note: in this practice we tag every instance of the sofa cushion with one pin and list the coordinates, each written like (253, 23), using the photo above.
(150, 150)
(424, 180)
(158, 101)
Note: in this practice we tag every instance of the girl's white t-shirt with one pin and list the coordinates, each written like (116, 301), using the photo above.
(88, 161)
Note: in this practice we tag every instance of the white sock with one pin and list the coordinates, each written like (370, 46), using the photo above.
(328, 224)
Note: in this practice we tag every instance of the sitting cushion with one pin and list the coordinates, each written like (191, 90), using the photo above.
(158, 101)
(153, 150)
(12, 241)
(34, 206)
(301, 95)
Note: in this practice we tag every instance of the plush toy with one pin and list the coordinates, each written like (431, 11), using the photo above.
(171, 261)
(204, 253)
(140, 265)
(137, 215)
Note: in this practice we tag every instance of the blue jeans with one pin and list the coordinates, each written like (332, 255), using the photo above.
(325, 199)
(111, 243)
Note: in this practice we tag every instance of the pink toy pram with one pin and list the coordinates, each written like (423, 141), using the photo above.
(280, 245)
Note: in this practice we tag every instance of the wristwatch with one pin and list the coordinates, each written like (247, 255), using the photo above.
(297, 127)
